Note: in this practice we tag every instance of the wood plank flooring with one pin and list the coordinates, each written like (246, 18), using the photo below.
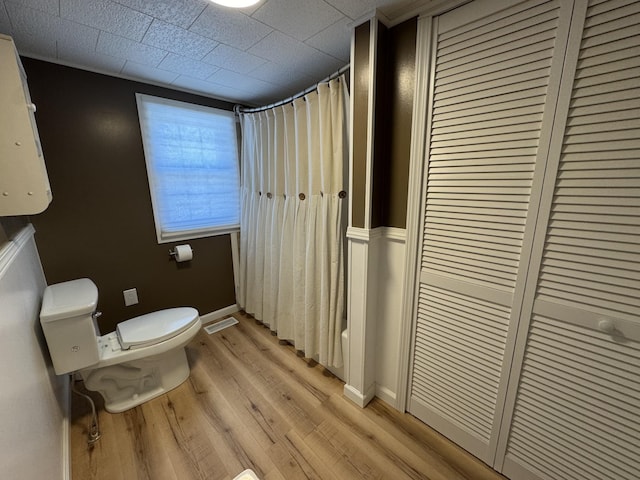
(252, 402)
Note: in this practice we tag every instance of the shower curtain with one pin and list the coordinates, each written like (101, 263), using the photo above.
(292, 221)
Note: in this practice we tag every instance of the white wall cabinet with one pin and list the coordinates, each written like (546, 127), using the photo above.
(526, 343)
(24, 184)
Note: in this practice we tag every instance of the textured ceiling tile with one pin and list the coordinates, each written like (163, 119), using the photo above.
(284, 50)
(143, 72)
(354, 8)
(178, 12)
(32, 22)
(206, 88)
(335, 40)
(91, 60)
(107, 15)
(238, 81)
(300, 19)
(5, 25)
(178, 40)
(73, 35)
(49, 6)
(233, 59)
(187, 66)
(278, 47)
(34, 46)
(229, 26)
(51, 28)
(281, 75)
(129, 50)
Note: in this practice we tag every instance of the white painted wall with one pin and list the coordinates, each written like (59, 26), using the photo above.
(33, 400)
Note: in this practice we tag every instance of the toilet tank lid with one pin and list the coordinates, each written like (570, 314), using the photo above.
(68, 299)
(155, 327)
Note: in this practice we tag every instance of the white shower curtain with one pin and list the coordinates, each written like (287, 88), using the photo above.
(292, 222)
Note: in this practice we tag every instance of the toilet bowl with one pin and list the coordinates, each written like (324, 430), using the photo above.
(143, 358)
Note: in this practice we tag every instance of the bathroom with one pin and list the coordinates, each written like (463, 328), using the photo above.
(100, 226)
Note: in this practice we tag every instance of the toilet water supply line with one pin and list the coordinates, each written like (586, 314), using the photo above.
(93, 429)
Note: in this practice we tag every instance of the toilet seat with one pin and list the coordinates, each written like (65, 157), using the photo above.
(156, 327)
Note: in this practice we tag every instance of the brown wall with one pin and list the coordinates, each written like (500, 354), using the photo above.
(9, 227)
(402, 66)
(395, 82)
(393, 107)
(360, 92)
(100, 223)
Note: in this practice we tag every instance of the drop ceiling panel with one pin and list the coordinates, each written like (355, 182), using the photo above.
(300, 19)
(178, 12)
(186, 66)
(99, 61)
(283, 50)
(138, 70)
(233, 59)
(50, 6)
(230, 27)
(108, 16)
(129, 50)
(178, 40)
(236, 80)
(325, 40)
(282, 75)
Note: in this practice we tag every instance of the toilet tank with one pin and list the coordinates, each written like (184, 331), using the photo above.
(68, 324)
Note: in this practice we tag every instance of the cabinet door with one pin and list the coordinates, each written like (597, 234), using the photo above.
(495, 76)
(574, 402)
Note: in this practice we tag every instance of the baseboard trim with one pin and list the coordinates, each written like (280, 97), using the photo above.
(213, 316)
(357, 397)
(386, 395)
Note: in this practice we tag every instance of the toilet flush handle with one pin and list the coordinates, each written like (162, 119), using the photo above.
(96, 314)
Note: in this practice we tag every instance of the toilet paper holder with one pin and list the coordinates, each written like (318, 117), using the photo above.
(181, 253)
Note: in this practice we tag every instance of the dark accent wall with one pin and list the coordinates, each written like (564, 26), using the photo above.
(10, 226)
(393, 109)
(395, 83)
(381, 137)
(360, 92)
(100, 222)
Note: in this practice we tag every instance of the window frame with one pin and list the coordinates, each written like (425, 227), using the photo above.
(185, 234)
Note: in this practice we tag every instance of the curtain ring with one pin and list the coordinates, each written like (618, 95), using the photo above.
(301, 196)
(260, 193)
(342, 194)
(269, 195)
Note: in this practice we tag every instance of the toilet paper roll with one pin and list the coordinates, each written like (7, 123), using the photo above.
(183, 253)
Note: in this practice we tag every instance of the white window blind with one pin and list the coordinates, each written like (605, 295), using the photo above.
(192, 162)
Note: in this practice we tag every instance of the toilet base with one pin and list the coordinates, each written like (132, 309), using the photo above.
(127, 385)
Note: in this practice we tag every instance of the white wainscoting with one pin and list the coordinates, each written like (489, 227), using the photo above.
(34, 403)
(391, 264)
(374, 304)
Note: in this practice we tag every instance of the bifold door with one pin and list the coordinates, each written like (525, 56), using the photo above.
(495, 73)
(527, 342)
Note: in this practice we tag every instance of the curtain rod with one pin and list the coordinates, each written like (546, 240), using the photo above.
(240, 109)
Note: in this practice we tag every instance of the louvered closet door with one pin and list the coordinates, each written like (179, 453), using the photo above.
(577, 410)
(493, 64)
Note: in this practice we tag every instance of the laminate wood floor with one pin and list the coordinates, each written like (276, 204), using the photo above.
(252, 402)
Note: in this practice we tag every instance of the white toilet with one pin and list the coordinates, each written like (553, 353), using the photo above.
(143, 358)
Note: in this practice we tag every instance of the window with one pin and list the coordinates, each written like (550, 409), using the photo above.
(191, 153)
